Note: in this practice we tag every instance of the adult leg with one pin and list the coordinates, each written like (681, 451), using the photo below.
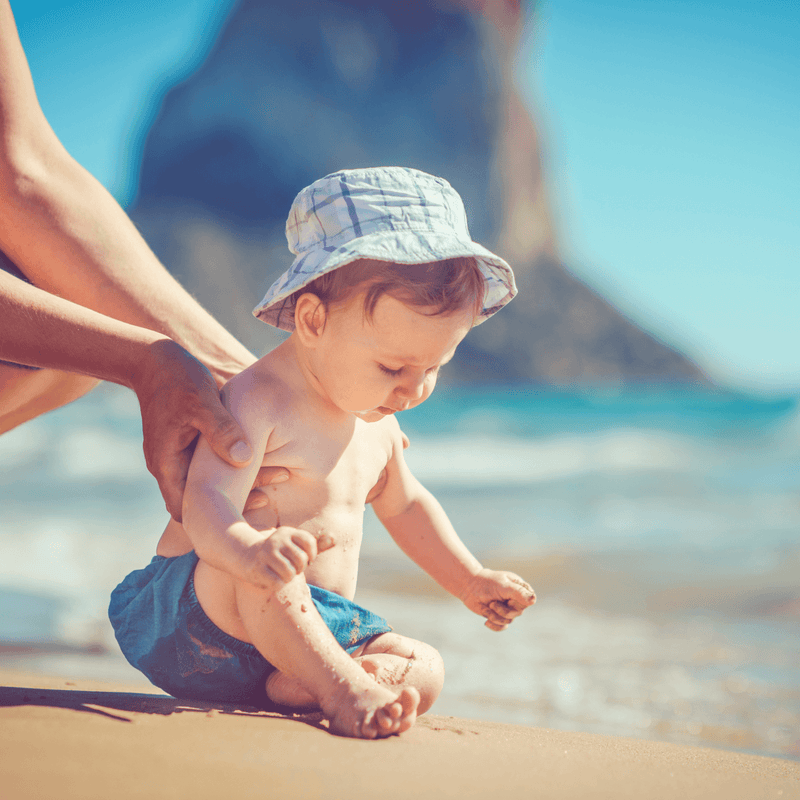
(27, 393)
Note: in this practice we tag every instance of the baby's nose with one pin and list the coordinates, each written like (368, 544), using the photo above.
(411, 390)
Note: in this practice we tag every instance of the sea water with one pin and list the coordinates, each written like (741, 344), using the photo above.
(659, 527)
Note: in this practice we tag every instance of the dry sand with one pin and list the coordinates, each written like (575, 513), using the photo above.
(84, 739)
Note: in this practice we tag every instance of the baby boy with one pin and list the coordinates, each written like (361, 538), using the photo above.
(258, 606)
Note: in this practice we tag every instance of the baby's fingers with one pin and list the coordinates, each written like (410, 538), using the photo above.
(291, 553)
(520, 592)
(494, 620)
(284, 563)
(305, 546)
(505, 610)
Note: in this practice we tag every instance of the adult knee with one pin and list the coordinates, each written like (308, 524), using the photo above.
(25, 394)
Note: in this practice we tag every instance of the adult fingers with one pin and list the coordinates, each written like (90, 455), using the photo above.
(269, 475)
(256, 499)
(172, 482)
(178, 398)
(168, 460)
(222, 432)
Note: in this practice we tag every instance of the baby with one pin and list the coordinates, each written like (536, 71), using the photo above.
(258, 607)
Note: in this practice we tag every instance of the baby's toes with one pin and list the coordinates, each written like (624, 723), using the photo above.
(388, 718)
(368, 729)
(409, 700)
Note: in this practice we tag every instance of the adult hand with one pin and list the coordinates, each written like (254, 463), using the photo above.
(179, 400)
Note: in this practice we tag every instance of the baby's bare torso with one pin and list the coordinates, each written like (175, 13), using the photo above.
(329, 483)
(333, 468)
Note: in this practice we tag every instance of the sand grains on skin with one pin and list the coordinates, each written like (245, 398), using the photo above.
(370, 712)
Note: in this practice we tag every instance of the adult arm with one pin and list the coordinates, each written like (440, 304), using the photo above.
(104, 305)
(177, 394)
(71, 238)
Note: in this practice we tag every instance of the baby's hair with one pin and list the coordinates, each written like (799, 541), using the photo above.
(443, 286)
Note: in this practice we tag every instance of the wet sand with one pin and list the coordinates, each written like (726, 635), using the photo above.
(86, 739)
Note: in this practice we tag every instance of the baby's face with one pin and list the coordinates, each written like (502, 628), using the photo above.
(374, 367)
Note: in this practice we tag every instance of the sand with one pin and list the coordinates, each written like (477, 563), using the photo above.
(84, 739)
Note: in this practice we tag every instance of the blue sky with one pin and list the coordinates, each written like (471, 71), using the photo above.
(671, 134)
(672, 131)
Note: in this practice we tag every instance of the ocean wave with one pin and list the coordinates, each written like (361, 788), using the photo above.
(466, 460)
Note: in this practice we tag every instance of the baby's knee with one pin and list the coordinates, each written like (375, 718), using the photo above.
(430, 667)
(424, 668)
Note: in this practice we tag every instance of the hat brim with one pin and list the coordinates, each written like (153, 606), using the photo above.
(398, 247)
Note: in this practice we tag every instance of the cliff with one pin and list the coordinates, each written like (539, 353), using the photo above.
(292, 91)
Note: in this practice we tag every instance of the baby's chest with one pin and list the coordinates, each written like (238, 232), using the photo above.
(335, 472)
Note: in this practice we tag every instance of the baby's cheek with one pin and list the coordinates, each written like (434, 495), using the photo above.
(429, 386)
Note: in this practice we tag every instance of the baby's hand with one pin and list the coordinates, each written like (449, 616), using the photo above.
(286, 553)
(498, 596)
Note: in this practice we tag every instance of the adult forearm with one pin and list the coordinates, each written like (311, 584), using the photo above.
(42, 330)
(71, 238)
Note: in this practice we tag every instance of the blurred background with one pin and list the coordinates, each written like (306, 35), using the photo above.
(625, 435)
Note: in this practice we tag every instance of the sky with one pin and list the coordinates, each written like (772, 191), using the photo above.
(670, 132)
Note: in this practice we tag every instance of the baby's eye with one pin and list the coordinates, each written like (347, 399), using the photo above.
(388, 371)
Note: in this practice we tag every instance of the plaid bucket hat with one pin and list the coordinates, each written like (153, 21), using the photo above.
(391, 214)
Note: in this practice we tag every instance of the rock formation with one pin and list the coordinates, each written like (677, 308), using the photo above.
(293, 91)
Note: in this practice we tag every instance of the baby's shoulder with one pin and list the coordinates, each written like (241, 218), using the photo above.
(259, 393)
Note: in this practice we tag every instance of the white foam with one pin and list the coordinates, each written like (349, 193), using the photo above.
(484, 460)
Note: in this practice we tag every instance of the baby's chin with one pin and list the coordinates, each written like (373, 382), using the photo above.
(375, 415)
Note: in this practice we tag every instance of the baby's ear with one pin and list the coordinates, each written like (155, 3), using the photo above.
(310, 316)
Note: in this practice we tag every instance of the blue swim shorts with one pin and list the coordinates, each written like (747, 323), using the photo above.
(164, 632)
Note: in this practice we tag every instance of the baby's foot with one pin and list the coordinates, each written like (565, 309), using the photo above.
(288, 691)
(387, 669)
(371, 711)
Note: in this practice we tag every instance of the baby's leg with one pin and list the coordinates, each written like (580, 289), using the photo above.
(288, 631)
(397, 661)
(394, 661)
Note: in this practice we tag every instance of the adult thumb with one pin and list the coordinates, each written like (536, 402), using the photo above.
(225, 436)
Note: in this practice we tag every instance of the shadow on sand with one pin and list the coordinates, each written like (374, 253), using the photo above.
(121, 706)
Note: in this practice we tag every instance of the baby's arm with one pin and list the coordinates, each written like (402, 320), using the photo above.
(216, 493)
(418, 523)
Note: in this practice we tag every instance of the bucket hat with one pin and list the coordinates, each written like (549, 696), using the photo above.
(394, 214)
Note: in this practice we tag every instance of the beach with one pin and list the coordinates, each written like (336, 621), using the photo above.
(658, 529)
(89, 739)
